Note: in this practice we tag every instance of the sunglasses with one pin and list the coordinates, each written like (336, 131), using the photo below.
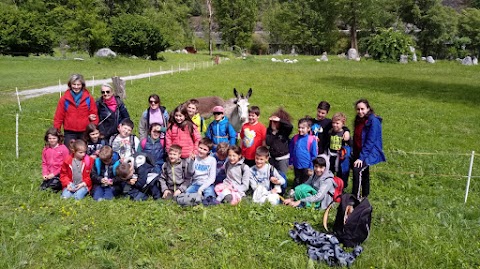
(217, 113)
(153, 102)
(157, 132)
(105, 92)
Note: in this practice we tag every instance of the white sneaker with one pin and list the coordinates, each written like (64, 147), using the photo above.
(291, 193)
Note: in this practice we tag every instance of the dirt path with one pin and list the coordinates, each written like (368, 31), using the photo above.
(26, 94)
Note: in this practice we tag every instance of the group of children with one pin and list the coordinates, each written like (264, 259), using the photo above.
(173, 159)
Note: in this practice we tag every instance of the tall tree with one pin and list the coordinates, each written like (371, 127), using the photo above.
(435, 24)
(360, 14)
(469, 27)
(236, 19)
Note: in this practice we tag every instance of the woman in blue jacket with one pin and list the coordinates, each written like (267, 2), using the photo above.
(367, 146)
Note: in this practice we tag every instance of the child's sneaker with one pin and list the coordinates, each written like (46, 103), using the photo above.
(291, 193)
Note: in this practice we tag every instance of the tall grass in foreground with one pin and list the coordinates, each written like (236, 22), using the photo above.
(419, 218)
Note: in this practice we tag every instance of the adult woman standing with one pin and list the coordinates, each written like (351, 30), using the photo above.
(367, 146)
(111, 111)
(75, 109)
(155, 113)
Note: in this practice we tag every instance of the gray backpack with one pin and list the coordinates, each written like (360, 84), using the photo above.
(188, 199)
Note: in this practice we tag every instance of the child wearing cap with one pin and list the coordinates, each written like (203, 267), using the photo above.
(220, 129)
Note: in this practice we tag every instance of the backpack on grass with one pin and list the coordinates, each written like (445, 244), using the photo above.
(353, 220)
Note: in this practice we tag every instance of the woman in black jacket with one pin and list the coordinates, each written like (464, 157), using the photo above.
(111, 111)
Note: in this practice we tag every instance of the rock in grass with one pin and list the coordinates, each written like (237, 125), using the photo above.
(467, 61)
(105, 52)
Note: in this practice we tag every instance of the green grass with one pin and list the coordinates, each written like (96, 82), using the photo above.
(419, 219)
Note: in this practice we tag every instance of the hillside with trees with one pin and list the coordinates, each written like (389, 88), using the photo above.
(443, 29)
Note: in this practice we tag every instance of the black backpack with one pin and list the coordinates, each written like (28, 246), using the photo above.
(353, 220)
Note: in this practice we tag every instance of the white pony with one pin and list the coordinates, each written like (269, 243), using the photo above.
(236, 109)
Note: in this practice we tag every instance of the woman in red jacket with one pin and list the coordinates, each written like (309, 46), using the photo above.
(75, 110)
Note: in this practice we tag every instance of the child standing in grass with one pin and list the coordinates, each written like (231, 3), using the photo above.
(124, 143)
(94, 140)
(252, 134)
(75, 173)
(367, 146)
(278, 133)
(183, 132)
(103, 175)
(203, 170)
(321, 125)
(175, 178)
(220, 129)
(192, 109)
(265, 180)
(303, 150)
(53, 155)
(317, 190)
(339, 147)
(236, 183)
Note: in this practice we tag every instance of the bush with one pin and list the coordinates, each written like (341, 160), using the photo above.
(259, 45)
(22, 33)
(137, 35)
(388, 45)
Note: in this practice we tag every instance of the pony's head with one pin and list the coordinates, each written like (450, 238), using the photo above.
(242, 104)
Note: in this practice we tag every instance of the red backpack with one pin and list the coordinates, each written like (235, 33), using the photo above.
(337, 195)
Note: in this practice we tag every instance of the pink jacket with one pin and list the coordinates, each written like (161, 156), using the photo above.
(183, 138)
(52, 159)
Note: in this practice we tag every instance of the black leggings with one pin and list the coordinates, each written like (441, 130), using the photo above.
(361, 178)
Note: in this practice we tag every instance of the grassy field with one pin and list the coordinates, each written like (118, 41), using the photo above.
(419, 219)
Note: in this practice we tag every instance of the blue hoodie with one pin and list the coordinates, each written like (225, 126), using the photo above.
(372, 145)
(221, 131)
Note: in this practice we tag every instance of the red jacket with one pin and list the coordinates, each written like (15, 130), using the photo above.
(74, 118)
(66, 172)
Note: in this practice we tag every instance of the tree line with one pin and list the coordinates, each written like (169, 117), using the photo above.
(384, 28)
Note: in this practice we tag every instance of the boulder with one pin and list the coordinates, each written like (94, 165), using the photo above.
(352, 54)
(467, 61)
(105, 52)
(430, 60)
(403, 59)
(474, 60)
(324, 57)
(414, 54)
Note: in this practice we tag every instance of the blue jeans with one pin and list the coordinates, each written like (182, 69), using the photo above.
(78, 195)
(209, 191)
(102, 193)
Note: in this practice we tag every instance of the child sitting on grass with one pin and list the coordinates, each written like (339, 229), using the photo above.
(154, 146)
(317, 190)
(94, 140)
(236, 183)
(221, 156)
(124, 142)
(265, 179)
(203, 170)
(103, 175)
(53, 155)
(75, 173)
(175, 178)
(140, 182)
